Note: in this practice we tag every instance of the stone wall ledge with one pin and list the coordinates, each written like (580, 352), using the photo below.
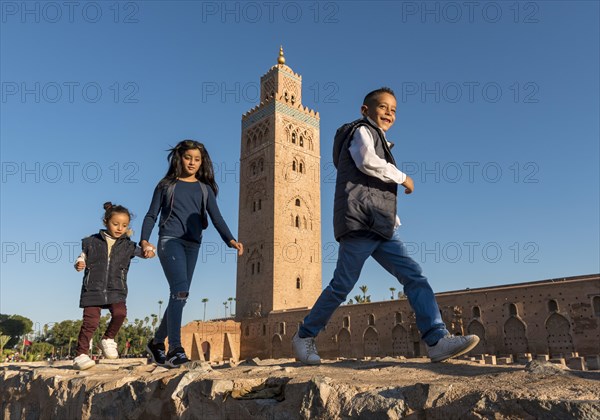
(385, 388)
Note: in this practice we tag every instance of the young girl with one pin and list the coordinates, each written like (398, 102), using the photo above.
(105, 257)
(183, 197)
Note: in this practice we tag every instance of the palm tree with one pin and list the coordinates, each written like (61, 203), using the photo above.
(401, 295)
(160, 302)
(154, 321)
(359, 299)
(392, 289)
(364, 289)
(204, 300)
(225, 304)
(230, 299)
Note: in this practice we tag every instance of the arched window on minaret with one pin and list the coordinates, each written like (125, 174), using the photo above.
(254, 206)
(258, 267)
(294, 165)
(301, 168)
(293, 99)
(298, 283)
(294, 137)
(297, 221)
(252, 268)
(259, 203)
(261, 165)
(552, 306)
(297, 202)
(301, 141)
(286, 96)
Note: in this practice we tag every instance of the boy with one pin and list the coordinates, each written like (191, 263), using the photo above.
(365, 224)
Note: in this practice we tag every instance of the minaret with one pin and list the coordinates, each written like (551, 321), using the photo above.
(280, 199)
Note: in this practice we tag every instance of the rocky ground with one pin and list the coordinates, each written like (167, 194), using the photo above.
(385, 388)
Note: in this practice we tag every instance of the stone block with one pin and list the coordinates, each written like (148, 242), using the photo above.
(524, 357)
(558, 361)
(576, 363)
(593, 362)
(490, 359)
(542, 357)
(212, 387)
(504, 360)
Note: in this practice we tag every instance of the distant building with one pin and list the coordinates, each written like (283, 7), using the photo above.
(279, 278)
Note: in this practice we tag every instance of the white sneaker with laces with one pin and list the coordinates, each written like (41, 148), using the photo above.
(306, 350)
(109, 348)
(83, 362)
(452, 346)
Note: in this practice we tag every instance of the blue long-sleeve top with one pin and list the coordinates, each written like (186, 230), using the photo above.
(184, 219)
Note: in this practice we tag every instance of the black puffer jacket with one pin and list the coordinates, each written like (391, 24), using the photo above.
(105, 277)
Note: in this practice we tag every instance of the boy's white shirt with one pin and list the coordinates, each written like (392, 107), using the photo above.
(362, 150)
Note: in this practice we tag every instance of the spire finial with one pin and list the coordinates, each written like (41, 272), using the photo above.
(281, 59)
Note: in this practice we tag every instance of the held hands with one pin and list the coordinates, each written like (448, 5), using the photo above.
(79, 265)
(149, 250)
(409, 186)
(237, 245)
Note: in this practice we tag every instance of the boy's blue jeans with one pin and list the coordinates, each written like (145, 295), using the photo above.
(391, 254)
(178, 259)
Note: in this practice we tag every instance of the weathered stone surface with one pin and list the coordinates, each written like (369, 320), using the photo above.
(348, 389)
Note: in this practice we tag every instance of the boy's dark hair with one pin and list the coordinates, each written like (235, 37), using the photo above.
(372, 95)
(110, 209)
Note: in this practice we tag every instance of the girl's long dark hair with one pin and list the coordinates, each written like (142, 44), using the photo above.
(205, 174)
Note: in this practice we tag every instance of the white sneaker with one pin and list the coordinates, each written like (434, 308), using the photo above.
(109, 348)
(452, 346)
(83, 362)
(306, 350)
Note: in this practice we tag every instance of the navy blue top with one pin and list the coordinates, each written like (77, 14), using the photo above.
(184, 220)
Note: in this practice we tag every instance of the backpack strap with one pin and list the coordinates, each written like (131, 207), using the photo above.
(342, 137)
(170, 195)
(204, 201)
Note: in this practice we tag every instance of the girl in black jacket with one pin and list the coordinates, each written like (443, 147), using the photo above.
(105, 257)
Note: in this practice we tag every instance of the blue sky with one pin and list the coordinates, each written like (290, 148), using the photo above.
(497, 124)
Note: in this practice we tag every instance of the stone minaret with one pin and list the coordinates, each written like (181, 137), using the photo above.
(280, 199)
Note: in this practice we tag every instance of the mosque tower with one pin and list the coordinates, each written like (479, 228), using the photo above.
(280, 199)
